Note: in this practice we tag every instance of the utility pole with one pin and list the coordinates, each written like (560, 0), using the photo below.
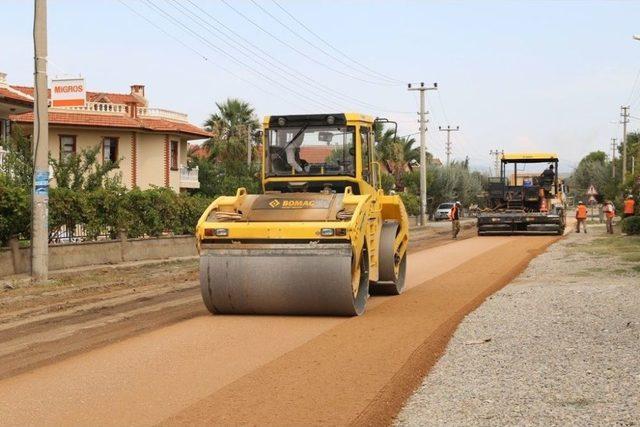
(497, 154)
(249, 146)
(449, 129)
(40, 145)
(613, 157)
(625, 120)
(423, 150)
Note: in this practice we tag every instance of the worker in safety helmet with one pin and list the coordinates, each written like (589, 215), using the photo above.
(610, 212)
(581, 217)
(454, 216)
(629, 206)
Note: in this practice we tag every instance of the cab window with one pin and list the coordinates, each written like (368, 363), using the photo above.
(365, 136)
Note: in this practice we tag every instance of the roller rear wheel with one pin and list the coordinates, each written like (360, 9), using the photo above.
(392, 269)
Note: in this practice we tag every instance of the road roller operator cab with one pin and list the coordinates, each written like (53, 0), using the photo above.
(314, 153)
(320, 238)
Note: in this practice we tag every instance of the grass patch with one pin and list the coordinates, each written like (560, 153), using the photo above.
(616, 245)
(624, 248)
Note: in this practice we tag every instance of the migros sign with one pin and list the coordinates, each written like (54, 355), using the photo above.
(68, 93)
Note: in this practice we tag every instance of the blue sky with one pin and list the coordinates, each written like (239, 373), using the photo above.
(544, 75)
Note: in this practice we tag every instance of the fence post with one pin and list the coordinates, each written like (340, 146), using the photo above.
(14, 244)
(122, 235)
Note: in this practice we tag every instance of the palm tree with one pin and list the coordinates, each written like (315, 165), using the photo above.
(410, 154)
(230, 127)
(385, 141)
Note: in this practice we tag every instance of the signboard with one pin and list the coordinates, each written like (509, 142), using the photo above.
(42, 182)
(68, 93)
(592, 191)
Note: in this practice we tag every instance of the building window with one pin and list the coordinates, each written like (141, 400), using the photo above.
(109, 149)
(67, 146)
(173, 155)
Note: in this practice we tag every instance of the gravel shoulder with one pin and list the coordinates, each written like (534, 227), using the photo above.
(558, 346)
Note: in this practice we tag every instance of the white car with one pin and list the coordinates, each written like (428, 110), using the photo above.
(443, 211)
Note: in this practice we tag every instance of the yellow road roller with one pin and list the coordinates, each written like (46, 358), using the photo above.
(321, 237)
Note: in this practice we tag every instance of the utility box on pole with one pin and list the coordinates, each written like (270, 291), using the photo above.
(40, 148)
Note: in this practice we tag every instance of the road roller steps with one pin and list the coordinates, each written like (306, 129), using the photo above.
(321, 237)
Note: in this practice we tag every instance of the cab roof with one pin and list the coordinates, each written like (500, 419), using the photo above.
(317, 119)
(529, 157)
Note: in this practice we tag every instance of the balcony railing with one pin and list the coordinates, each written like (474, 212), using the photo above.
(98, 108)
(189, 177)
(160, 113)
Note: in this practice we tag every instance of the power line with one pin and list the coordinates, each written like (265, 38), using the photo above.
(257, 56)
(258, 52)
(633, 89)
(206, 41)
(164, 31)
(332, 46)
(298, 51)
(297, 34)
(159, 28)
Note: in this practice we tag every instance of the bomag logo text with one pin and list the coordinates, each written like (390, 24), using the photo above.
(298, 204)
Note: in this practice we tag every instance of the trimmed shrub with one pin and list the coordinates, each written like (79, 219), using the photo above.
(67, 208)
(411, 203)
(15, 215)
(387, 182)
(631, 225)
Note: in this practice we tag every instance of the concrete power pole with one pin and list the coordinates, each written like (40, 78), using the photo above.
(40, 199)
(497, 154)
(249, 146)
(625, 120)
(613, 157)
(423, 150)
(449, 129)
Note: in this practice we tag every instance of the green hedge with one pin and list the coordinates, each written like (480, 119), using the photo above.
(14, 210)
(631, 225)
(107, 210)
(411, 203)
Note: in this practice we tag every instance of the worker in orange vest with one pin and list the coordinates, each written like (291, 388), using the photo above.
(610, 211)
(629, 206)
(581, 217)
(454, 216)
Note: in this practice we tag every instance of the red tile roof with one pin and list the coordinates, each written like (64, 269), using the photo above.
(116, 121)
(114, 98)
(198, 151)
(315, 154)
(15, 97)
(164, 125)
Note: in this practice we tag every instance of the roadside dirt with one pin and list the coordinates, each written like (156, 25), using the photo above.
(273, 369)
(86, 309)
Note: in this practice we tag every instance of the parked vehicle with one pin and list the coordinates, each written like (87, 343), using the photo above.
(442, 213)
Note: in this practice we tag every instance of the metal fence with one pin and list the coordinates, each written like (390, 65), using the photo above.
(78, 234)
